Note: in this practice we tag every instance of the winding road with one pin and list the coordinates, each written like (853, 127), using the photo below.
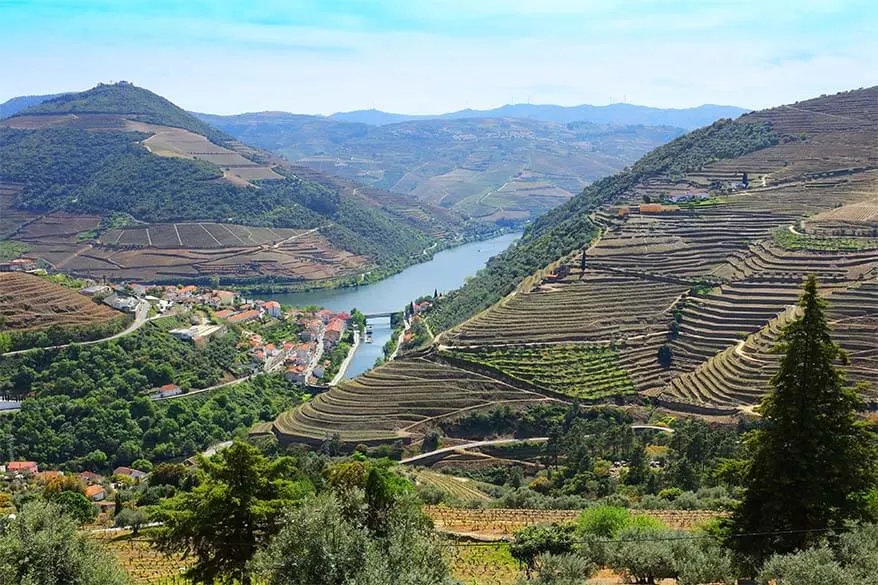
(141, 316)
(476, 444)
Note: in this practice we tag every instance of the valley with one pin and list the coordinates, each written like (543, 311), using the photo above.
(118, 183)
(505, 169)
(676, 305)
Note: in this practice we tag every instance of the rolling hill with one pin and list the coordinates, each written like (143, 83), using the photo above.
(617, 114)
(490, 168)
(632, 294)
(119, 182)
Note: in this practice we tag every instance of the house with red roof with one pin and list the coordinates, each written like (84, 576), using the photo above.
(129, 472)
(23, 467)
(272, 308)
(224, 314)
(245, 316)
(334, 330)
(95, 493)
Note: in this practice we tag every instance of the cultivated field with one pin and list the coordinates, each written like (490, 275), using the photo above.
(394, 402)
(577, 371)
(715, 282)
(28, 302)
(183, 251)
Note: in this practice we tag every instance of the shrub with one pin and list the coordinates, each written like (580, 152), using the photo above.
(539, 539)
(566, 569)
(814, 566)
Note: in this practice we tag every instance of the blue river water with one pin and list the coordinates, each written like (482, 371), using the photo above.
(447, 270)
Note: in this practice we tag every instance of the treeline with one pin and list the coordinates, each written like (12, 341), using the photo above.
(61, 334)
(568, 227)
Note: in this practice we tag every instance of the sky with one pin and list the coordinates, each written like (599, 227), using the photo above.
(426, 57)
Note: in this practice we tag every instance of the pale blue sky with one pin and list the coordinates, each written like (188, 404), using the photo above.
(415, 56)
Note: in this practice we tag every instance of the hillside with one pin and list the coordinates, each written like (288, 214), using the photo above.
(19, 103)
(618, 114)
(598, 289)
(488, 168)
(78, 167)
(37, 312)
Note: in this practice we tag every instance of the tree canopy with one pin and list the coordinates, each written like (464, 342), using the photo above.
(813, 460)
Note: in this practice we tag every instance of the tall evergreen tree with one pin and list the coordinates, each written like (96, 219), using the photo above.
(813, 460)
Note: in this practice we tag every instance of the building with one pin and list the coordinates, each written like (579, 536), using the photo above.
(224, 314)
(166, 391)
(334, 330)
(121, 303)
(95, 493)
(23, 264)
(225, 297)
(198, 334)
(128, 472)
(689, 196)
(272, 308)
(245, 316)
(23, 467)
(91, 478)
(657, 208)
(295, 374)
(95, 290)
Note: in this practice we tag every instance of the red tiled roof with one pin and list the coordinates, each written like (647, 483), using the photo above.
(93, 490)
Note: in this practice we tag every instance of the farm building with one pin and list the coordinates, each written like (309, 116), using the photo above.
(657, 208)
(121, 303)
(166, 391)
(198, 334)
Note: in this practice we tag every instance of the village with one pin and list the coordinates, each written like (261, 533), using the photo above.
(297, 343)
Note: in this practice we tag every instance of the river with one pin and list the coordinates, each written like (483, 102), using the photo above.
(447, 270)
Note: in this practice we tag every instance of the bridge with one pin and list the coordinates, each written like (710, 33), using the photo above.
(379, 315)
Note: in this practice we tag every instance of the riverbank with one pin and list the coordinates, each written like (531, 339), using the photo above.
(271, 286)
(347, 360)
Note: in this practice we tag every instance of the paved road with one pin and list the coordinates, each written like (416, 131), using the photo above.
(476, 444)
(141, 316)
(203, 390)
(473, 445)
(347, 360)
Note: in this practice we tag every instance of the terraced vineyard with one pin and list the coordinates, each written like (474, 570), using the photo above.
(711, 285)
(28, 302)
(394, 402)
(460, 488)
(574, 309)
(576, 371)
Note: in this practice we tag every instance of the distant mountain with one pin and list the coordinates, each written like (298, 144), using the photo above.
(77, 167)
(495, 169)
(686, 118)
(13, 106)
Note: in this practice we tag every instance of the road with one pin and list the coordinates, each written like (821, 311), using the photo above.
(203, 390)
(141, 316)
(473, 445)
(476, 444)
(347, 360)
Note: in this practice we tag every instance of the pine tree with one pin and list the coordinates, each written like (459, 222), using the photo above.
(813, 460)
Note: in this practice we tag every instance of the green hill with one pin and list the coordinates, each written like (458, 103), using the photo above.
(570, 227)
(128, 150)
(130, 101)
